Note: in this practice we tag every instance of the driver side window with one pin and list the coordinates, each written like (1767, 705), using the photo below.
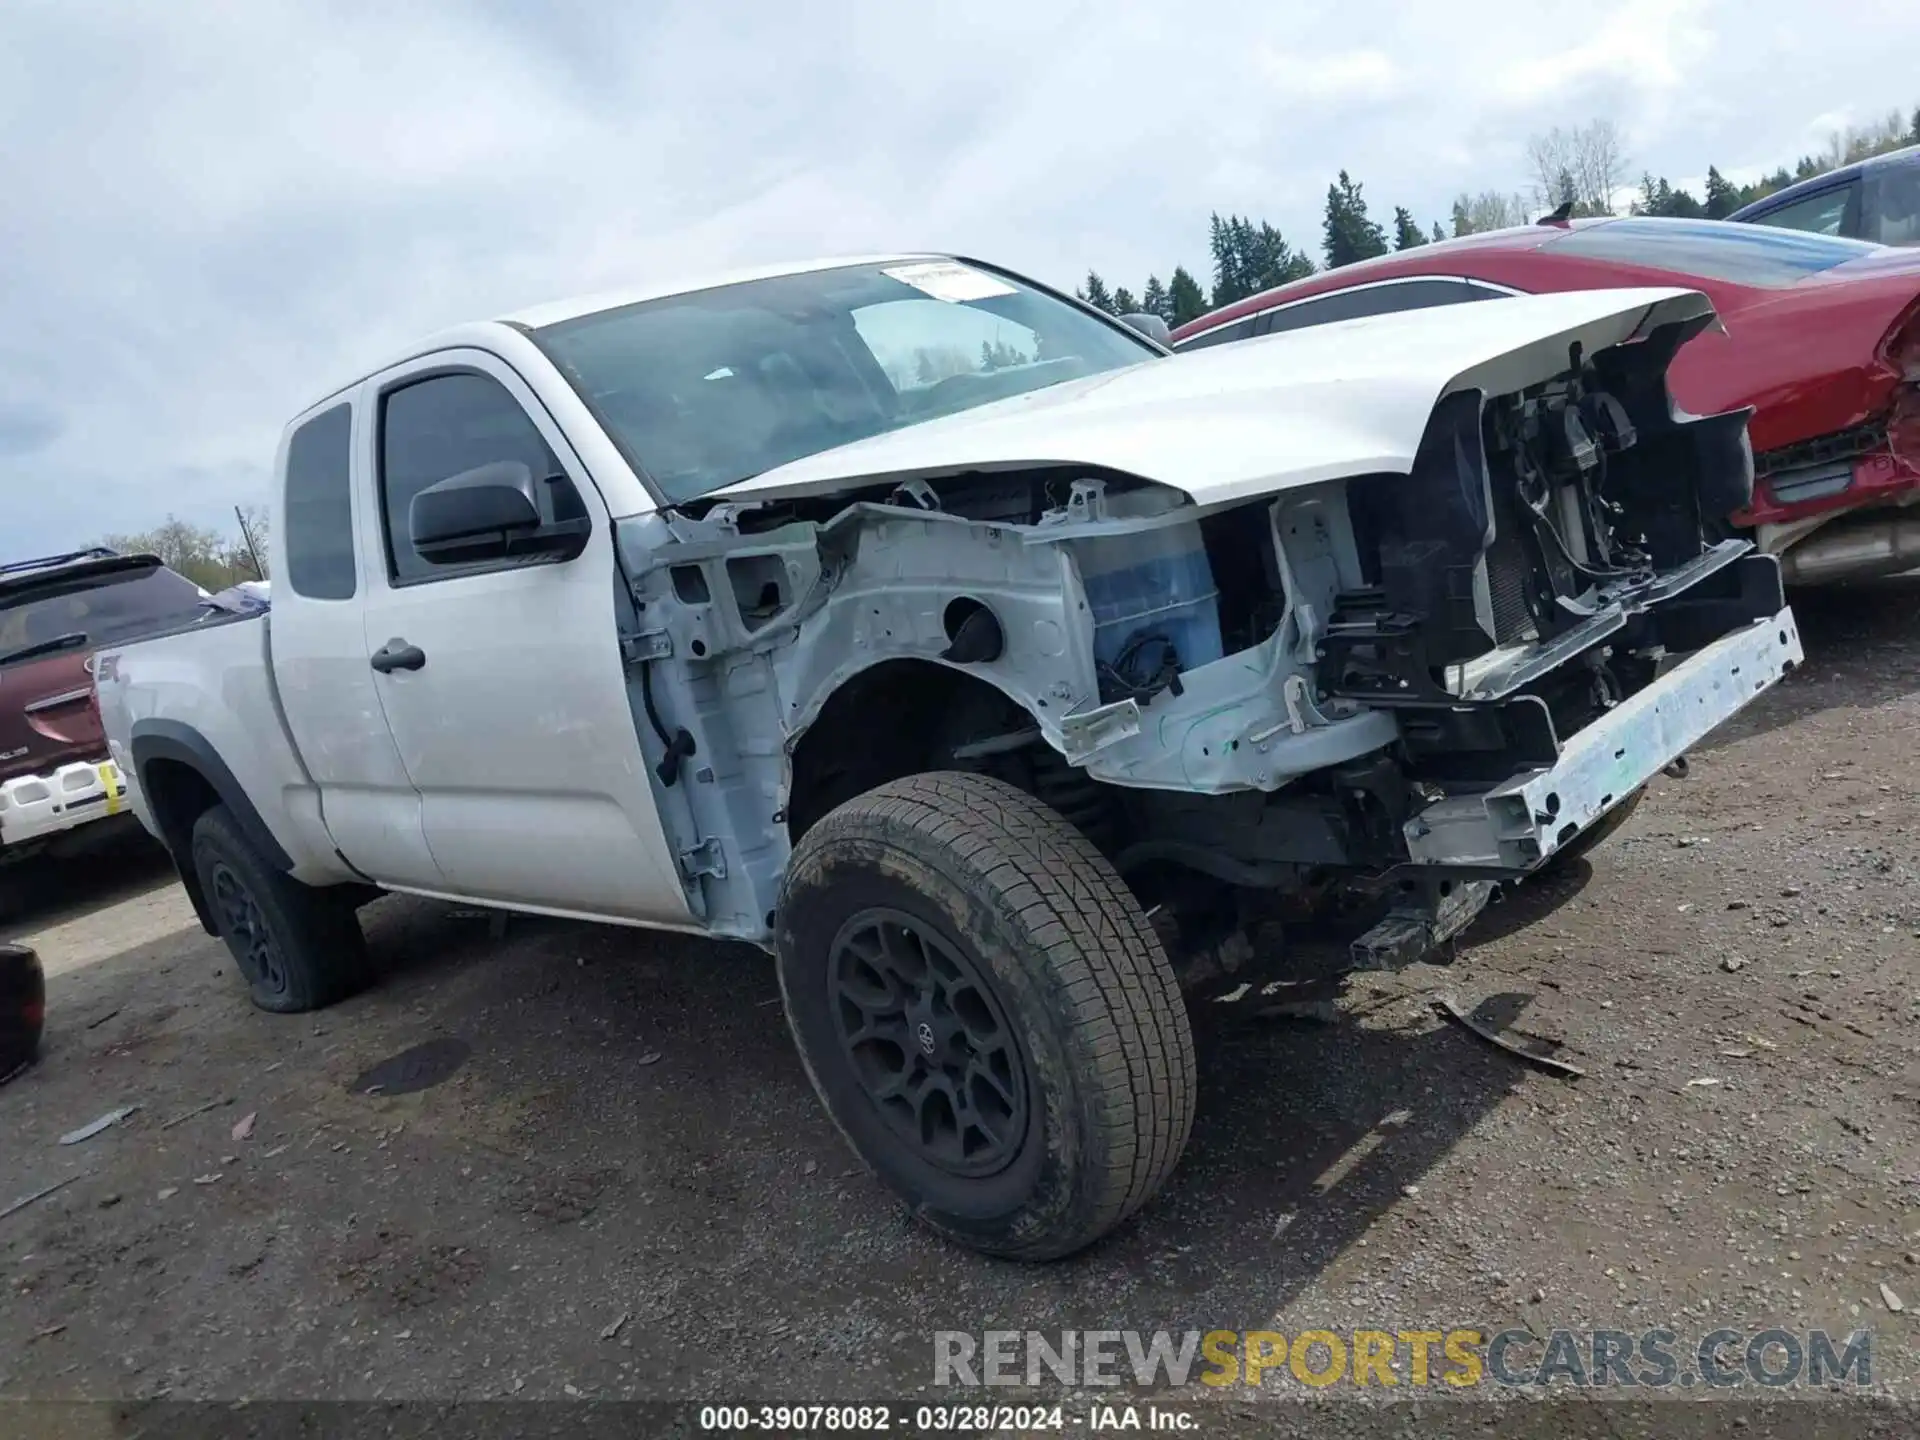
(441, 426)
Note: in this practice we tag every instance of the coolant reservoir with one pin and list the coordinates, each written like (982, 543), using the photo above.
(1150, 583)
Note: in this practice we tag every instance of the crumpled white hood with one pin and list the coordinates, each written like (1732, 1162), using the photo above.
(1239, 420)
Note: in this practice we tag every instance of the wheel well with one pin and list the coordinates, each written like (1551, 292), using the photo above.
(177, 795)
(899, 718)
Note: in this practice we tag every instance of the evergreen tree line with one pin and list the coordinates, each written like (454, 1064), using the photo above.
(1579, 170)
(1720, 197)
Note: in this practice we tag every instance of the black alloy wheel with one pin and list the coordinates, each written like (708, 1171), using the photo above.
(929, 1042)
(246, 931)
(297, 946)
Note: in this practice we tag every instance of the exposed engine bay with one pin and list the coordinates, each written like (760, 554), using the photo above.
(1380, 693)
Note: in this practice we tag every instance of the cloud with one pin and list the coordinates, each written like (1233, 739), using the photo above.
(1344, 75)
(215, 213)
(26, 428)
(1644, 46)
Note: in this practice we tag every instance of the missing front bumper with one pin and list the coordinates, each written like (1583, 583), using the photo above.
(1517, 825)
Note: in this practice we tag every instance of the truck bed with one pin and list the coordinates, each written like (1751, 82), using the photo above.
(214, 679)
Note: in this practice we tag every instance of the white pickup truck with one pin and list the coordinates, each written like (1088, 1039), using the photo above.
(1000, 672)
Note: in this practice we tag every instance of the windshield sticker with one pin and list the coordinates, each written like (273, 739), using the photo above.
(949, 280)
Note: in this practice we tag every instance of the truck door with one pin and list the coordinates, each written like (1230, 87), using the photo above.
(317, 639)
(502, 681)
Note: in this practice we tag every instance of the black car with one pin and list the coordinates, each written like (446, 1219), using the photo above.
(1876, 199)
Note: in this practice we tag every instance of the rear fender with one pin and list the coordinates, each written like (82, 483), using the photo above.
(181, 776)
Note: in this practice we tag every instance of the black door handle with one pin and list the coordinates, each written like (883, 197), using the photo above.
(397, 655)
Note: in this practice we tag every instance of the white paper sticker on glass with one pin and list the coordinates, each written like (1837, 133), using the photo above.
(949, 280)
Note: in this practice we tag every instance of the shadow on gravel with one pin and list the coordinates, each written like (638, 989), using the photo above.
(1530, 902)
(666, 1061)
(1863, 649)
(631, 1132)
(1308, 1135)
(46, 890)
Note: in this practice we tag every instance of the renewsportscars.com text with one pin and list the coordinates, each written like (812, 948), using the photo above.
(1457, 1358)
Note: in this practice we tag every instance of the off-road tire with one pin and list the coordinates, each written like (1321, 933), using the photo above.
(1074, 967)
(1596, 835)
(309, 951)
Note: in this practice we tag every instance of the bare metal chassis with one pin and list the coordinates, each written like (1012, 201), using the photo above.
(1520, 823)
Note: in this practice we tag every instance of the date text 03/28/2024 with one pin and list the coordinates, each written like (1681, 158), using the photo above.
(937, 1419)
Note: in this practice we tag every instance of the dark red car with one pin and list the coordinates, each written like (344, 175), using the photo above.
(55, 775)
(1822, 338)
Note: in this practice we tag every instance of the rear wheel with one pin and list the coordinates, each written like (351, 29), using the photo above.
(985, 1012)
(298, 948)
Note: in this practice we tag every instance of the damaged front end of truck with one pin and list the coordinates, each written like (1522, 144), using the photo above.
(1369, 685)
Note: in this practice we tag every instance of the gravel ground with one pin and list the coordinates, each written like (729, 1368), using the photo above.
(626, 1188)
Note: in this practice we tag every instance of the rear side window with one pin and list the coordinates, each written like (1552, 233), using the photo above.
(318, 512)
(1824, 214)
(1222, 334)
(1742, 254)
(101, 610)
(1347, 305)
(443, 426)
(1374, 300)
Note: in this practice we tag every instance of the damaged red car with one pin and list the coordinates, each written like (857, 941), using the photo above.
(1821, 336)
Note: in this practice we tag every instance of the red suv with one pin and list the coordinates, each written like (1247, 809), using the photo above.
(55, 775)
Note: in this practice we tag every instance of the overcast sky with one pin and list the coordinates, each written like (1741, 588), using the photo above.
(212, 213)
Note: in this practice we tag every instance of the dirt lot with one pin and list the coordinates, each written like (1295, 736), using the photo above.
(630, 1135)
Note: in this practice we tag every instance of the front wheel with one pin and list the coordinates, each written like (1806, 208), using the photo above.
(986, 1013)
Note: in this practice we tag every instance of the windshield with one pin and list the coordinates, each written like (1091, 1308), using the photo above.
(706, 389)
(99, 610)
(1714, 249)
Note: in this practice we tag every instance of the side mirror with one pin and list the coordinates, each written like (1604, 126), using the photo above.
(1151, 326)
(492, 512)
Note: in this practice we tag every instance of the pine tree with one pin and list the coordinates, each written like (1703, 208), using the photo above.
(1293, 264)
(1246, 253)
(998, 354)
(1913, 135)
(1462, 221)
(1350, 235)
(1095, 293)
(1123, 302)
(1185, 299)
(1154, 299)
(1722, 198)
(1249, 257)
(1438, 233)
(1406, 234)
(1268, 260)
(1658, 197)
(1223, 239)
